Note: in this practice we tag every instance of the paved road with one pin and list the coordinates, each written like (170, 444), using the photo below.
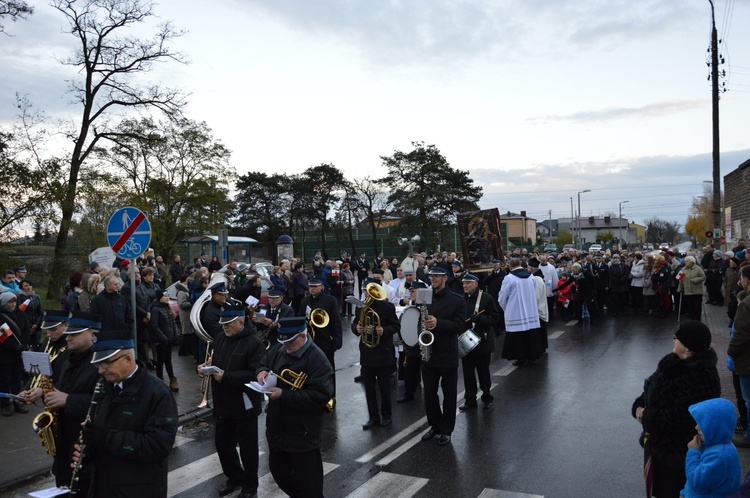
(561, 428)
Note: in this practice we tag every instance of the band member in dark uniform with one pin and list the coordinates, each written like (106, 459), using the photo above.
(293, 422)
(446, 320)
(274, 310)
(210, 313)
(482, 313)
(72, 391)
(54, 323)
(411, 356)
(327, 338)
(238, 353)
(491, 284)
(377, 360)
(134, 427)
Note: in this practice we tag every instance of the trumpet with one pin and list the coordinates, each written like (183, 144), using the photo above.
(206, 380)
(426, 338)
(296, 380)
(318, 318)
(369, 318)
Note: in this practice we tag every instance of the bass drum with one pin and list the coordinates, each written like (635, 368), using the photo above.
(467, 342)
(195, 312)
(410, 326)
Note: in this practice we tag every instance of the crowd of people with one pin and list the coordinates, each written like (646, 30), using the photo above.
(292, 338)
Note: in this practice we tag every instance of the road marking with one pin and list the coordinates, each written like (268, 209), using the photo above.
(267, 487)
(571, 323)
(192, 474)
(496, 493)
(391, 441)
(388, 484)
(556, 334)
(399, 451)
(180, 440)
(506, 370)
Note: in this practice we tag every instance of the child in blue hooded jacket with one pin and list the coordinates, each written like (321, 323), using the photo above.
(712, 464)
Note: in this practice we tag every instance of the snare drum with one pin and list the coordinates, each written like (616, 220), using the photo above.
(410, 326)
(467, 342)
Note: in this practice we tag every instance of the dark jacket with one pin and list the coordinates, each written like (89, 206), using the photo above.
(293, 421)
(161, 326)
(142, 300)
(176, 271)
(484, 320)
(666, 396)
(10, 350)
(130, 460)
(278, 281)
(601, 272)
(739, 346)
(114, 310)
(382, 355)
(77, 379)
(239, 356)
(283, 311)
(661, 279)
(493, 281)
(299, 283)
(449, 309)
(209, 317)
(618, 278)
(330, 336)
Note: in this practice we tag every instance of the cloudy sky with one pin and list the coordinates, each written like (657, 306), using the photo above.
(537, 99)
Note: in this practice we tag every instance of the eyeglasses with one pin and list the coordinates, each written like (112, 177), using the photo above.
(107, 364)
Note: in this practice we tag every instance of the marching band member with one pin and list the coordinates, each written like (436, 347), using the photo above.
(483, 315)
(293, 423)
(327, 338)
(411, 357)
(377, 361)
(446, 320)
(273, 311)
(54, 323)
(238, 353)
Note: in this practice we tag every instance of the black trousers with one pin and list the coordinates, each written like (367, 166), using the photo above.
(412, 373)
(380, 376)
(442, 421)
(329, 351)
(300, 475)
(243, 432)
(693, 304)
(551, 306)
(164, 360)
(479, 363)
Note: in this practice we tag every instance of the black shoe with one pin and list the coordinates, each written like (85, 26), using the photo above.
(20, 408)
(429, 435)
(443, 440)
(386, 421)
(519, 363)
(467, 406)
(370, 424)
(228, 489)
(488, 405)
(358, 378)
(7, 412)
(405, 398)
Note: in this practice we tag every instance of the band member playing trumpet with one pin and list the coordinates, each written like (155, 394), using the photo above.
(327, 336)
(446, 320)
(72, 392)
(483, 315)
(274, 310)
(376, 324)
(237, 353)
(293, 422)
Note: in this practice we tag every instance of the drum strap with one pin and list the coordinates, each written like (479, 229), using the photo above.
(479, 301)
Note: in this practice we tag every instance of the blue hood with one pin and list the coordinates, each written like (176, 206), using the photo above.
(716, 418)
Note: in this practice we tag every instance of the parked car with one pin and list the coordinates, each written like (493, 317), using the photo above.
(264, 269)
(550, 248)
(569, 247)
(594, 248)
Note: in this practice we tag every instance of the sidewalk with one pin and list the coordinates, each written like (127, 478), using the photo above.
(24, 457)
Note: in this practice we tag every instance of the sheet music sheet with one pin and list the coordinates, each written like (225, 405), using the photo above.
(270, 382)
(36, 362)
(251, 301)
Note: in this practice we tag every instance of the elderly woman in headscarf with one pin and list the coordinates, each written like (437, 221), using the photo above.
(691, 278)
(661, 282)
(14, 338)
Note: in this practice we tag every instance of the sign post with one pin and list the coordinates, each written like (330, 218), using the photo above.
(129, 235)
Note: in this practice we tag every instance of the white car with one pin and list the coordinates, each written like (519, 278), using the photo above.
(664, 246)
(595, 248)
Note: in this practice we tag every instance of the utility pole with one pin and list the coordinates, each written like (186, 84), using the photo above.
(715, 117)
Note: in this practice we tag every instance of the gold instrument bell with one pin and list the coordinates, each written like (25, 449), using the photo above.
(296, 380)
(318, 318)
(368, 317)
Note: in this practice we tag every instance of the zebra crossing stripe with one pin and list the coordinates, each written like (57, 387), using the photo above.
(506, 370)
(192, 474)
(571, 323)
(496, 493)
(556, 334)
(180, 440)
(267, 487)
(388, 484)
(391, 441)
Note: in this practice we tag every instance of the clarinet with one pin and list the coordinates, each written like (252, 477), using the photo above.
(75, 481)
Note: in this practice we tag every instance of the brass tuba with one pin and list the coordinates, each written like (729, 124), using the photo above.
(45, 424)
(318, 318)
(369, 318)
(203, 299)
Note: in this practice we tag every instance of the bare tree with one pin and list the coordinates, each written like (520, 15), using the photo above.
(111, 65)
(14, 10)
(372, 204)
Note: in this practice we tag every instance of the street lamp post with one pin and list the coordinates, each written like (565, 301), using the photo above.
(620, 222)
(579, 245)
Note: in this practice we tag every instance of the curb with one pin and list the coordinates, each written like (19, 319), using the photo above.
(194, 415)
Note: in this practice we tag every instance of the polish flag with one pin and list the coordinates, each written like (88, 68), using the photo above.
(681, 276)
(5, 332)
(24, 305)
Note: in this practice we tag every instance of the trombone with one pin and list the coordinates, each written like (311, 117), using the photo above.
(318, 318)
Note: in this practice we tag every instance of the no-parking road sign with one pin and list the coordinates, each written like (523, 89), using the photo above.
(129, 232)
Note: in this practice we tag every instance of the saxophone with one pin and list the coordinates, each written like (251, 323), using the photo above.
(45, 424)
(426, 338)
(75, 481)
